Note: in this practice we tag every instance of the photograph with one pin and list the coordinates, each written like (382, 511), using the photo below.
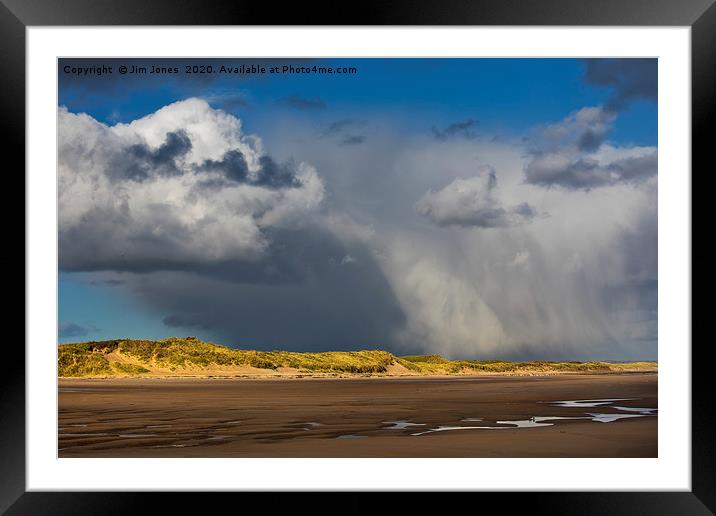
(443, 247)
(379, 257)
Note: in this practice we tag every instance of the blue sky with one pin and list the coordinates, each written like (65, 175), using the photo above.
(510, 95)
(507, 98)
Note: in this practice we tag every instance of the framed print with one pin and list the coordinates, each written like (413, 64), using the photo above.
(435, 249)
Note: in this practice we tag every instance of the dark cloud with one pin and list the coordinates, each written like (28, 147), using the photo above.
(86, 248)
(274, 175)
(303, 103)
(339, 126)
(186, 320)
(232, 102)
(69, 329)
(227, 102)
(270, 175)
(491, 180)
(584, 173)
(634, 169)
(463, 129)
(584, 130)
(550, 170)
(591, 139)
(565, 154)
(110, 282)
(481, 218)
(308, 311)
(353, 139)
(233, 165)
(630, 79)
(139, 161)
(525, 210)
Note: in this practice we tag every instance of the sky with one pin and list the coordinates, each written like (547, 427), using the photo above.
(475, 208)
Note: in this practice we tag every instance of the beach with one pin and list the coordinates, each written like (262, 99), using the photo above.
(608, 415)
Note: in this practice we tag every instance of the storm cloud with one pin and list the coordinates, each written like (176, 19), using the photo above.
(404, 242)
(328, 302)
(559, 284)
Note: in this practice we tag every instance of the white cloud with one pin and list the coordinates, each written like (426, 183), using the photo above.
(135, 195)
(472, 202)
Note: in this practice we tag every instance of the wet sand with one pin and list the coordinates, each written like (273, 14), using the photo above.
(358, 417)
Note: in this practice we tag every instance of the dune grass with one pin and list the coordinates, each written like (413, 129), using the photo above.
(79, 360)
(149, 357)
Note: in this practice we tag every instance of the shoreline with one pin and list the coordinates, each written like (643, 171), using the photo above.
(367, 376)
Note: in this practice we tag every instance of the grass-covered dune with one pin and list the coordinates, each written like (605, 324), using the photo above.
(192, 357)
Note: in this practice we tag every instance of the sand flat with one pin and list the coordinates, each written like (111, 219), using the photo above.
(345, 417)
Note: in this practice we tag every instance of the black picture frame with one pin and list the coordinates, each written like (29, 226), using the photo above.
(16, 15)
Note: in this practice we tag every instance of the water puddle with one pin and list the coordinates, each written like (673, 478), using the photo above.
(537, 421)
(640, 410)
(524, 423)
(449, 428)
(586, 403)
(609, 418)
(400, 424)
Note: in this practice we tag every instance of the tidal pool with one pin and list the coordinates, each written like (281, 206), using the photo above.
(449, 428)
(586, 403)
(400, 424)
(537, 421)
(608, 418)
(640, 410)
